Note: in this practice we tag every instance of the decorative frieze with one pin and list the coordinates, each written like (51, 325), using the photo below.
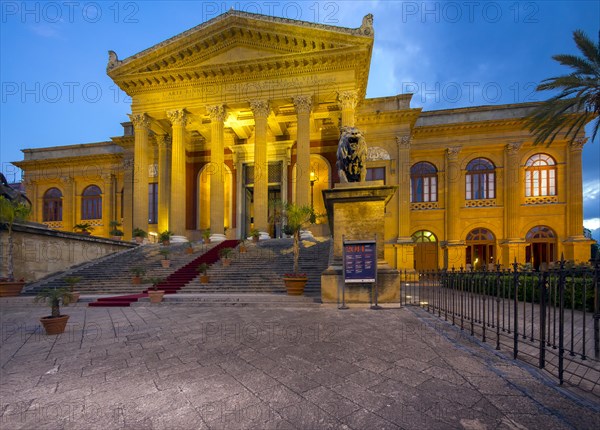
(421, 206)
(545, 200)
(484, 203)
(375, 153)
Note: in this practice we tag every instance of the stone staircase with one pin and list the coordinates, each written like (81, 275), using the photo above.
(112, 275)
(261, 269)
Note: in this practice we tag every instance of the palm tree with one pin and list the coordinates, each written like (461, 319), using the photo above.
(579, 99)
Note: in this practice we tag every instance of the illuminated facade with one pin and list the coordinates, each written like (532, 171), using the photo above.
(245, 109)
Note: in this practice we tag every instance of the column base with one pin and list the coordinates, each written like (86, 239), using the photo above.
(454, 254)
(405, 254)
(578, 249)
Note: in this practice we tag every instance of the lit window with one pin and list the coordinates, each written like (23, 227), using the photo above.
(376, 174)
(540, 176)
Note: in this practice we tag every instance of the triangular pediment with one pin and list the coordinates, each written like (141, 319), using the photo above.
(238, 42)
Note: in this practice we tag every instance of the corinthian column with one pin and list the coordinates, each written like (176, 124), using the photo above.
(178, 120)
(512, 190)
(403, 188)
(164, 181)
(347, 100)
(303, 106)
(141, 124)
(575, 190)
(261, 110)
(217, 159)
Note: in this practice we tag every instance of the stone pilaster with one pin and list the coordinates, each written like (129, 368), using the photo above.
(575, 190)
(347, 101)
(455, 247)
(405, 248)
(512, 191)
(164, 180)
(178, 120)
(261, 110)
(68, 203)
(303, 106)
(217, 158)
(127, 214)
(141, 126)
(108, 196)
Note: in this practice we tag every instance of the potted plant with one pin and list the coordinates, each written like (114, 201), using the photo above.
(155, 294)
(202, 268)
(138, 272)
(72, 281)
(225, 254)
(11, 212)
(296, 218)
(114, 232)
(255, 235)
(165, 237)
(84, 228)
(190, 248)
(166, 263)
(139, 235)
(206, 236)
(243, 247)
(55, 323)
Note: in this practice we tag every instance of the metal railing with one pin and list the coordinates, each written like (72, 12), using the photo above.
(549, 318)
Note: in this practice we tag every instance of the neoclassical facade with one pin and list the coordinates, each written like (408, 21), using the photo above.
(245, 109)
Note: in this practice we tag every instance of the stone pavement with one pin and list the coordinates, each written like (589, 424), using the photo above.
(185, 367)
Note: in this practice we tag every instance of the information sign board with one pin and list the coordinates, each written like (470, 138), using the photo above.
(360, 261)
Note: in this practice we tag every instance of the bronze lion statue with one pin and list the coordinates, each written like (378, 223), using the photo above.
(352, 155)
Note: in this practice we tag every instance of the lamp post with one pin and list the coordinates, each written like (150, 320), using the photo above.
(313, 179)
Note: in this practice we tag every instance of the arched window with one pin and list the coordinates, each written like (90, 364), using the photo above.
(423, 182)
(480, 180)
(481, 244)
(540, 176)
(541, 248)
(91, 203)
(52, 205)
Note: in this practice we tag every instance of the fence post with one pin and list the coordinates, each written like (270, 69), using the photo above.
(515, 309)
(498, 274)
(542, 286)
(596, 308)
(561, 321)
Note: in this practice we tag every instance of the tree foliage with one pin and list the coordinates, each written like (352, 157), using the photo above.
(578, 101)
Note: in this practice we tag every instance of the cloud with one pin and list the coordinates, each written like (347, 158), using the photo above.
(48, 31)
(591, 189)
(592, 223)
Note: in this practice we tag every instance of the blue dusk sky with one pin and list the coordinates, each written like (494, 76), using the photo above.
(55, 90)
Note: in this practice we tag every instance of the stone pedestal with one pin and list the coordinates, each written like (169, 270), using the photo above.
(356, 211)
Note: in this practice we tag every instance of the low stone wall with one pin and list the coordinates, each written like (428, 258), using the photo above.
(39, 251)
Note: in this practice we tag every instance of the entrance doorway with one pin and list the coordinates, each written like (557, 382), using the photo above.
(542, 247)
(274, 195)
(481, 247)
(426, 251)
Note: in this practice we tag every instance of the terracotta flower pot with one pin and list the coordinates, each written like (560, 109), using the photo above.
(11, 288)
(156, 296)
(54, 325)
(226, 262)
(166, 242)
(75, 296)
(136, 280)
(189, 250)
(139, 239)
(295, 285)
(243, 249)
(165, 263)
(204, 279)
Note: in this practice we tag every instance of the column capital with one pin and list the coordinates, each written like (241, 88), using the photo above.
(177, 117)
(106, 177)
(216, 113)
(577, 144)
(513, 147)
(404, 141)
(163, 141)
(303, 104)
(347, 99)
(67, 180)
(140, 121)
(260, 108)
(452, 152)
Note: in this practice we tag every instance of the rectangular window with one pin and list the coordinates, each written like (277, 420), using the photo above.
(153, 203)
(376, 174)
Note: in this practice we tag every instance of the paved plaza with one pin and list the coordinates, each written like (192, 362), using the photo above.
(227, 367)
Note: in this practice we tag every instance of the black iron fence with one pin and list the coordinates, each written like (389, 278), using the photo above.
(549, 318)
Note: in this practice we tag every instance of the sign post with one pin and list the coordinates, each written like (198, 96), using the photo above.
(360, 265)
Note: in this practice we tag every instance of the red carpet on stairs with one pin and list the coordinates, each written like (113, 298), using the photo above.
(175, 281)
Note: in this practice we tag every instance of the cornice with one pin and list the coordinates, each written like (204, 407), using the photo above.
(64, 161)
(473, 126)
